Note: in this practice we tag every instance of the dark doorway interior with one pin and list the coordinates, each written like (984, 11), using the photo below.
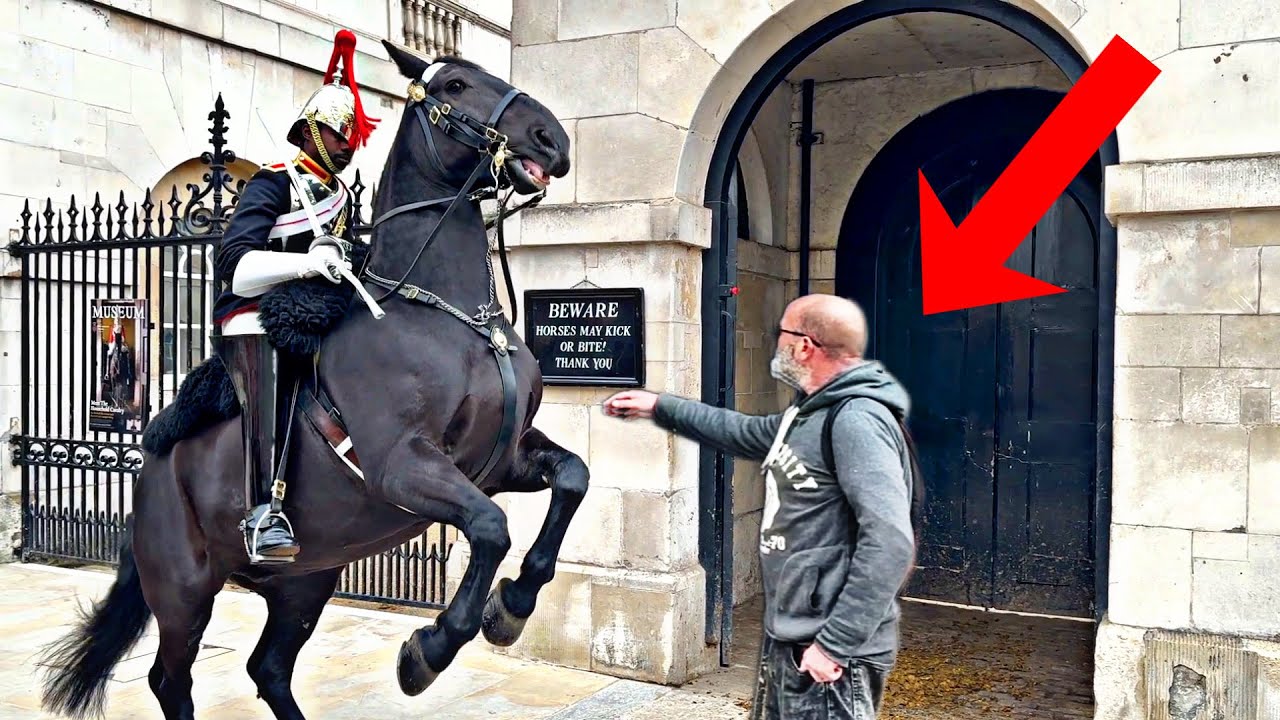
(1005, 396)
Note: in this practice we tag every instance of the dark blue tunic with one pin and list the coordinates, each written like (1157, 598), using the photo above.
(264, 199)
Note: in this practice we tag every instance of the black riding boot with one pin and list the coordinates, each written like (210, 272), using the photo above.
(251, 362)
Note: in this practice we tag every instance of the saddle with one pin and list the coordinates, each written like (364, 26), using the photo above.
(297, 316)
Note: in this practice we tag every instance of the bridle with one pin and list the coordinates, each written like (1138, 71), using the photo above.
(492, 145)
(485, 138)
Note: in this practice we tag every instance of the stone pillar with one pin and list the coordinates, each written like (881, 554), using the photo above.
(10, 400)
(10, 499)
(628, 596)
(1195, 540)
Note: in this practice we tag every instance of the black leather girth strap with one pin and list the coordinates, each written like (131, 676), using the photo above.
(502, 353)
(502, 348)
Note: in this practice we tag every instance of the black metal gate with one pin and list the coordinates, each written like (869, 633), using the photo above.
(79, 445)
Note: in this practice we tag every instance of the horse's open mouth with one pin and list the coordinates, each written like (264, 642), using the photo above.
(529, 173)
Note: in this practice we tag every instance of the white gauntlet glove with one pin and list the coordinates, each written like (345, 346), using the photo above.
(324, 260)
(259, 270)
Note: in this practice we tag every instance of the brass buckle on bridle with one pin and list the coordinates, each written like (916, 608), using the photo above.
(437, 111)
(499, 153)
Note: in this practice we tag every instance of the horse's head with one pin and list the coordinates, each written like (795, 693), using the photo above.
(475, 102)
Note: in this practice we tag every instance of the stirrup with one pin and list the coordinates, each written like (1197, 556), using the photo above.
(251, 548)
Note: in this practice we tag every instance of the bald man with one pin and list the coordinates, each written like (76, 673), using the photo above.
(836, 537)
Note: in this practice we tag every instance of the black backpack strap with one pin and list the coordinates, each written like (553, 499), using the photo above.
(917, 480)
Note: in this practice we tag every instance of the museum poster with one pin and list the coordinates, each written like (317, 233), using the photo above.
(119, 373)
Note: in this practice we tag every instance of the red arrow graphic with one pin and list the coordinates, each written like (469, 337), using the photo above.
(964, 267)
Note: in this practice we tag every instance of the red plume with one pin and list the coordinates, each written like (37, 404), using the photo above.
(344, 47)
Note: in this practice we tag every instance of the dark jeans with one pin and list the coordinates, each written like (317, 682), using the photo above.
(788, 694)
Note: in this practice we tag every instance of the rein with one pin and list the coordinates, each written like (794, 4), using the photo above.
(483, 137)
(492, 144)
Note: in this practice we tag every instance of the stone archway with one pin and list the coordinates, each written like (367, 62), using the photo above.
(658, 100)
(784, 37)
(713, 144)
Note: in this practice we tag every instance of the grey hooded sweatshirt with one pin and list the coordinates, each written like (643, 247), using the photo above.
(835, 543)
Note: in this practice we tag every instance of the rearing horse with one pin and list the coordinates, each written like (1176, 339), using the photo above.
(425, 392)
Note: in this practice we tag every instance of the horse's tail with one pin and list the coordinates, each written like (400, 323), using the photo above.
(81, 662)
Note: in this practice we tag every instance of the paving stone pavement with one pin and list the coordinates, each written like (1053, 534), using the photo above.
(346, 672)
(955, 664)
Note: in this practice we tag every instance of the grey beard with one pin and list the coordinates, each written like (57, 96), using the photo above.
(783, 369)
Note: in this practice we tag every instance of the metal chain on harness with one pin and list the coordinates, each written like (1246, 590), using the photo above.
(413, 292)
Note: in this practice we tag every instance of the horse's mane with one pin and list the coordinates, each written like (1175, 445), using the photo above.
(461, 62)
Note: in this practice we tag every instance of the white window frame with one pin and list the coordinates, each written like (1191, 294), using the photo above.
(182, 330)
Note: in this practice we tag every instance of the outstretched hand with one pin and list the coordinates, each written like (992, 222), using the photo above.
(631, 404)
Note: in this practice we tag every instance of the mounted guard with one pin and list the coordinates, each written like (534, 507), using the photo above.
(272, 238)
(447, 425)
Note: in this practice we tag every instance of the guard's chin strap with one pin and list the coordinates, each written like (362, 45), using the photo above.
(319, 140)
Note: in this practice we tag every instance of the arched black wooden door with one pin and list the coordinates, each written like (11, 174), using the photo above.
(1003, 396)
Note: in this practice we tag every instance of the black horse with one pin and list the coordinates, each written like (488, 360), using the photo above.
(424, 401)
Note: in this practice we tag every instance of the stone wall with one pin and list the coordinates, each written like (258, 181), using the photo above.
(765, 266)
(763, 275)
(625, 83)
(771, 133)
(104, 100)
(859, 117)
(10, 500)
(109, 96)
(1195, 546)
(627, 596)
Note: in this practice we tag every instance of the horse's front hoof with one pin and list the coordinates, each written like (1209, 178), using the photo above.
(412, 670)
(500, 626)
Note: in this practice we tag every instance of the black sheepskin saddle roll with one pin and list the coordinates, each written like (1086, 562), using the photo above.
(297, 316)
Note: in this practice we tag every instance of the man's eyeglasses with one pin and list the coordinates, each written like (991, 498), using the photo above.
(780, 330)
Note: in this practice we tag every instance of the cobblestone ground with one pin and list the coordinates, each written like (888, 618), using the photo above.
(346, 672)
(958, 664)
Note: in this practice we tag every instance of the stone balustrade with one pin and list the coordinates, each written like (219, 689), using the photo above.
(431, 28)
(437, 27)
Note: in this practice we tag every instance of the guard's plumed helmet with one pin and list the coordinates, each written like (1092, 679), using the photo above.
(337, 103)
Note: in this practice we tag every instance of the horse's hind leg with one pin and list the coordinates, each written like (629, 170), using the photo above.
(181, 627)
(294, 605)
(541, 463)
